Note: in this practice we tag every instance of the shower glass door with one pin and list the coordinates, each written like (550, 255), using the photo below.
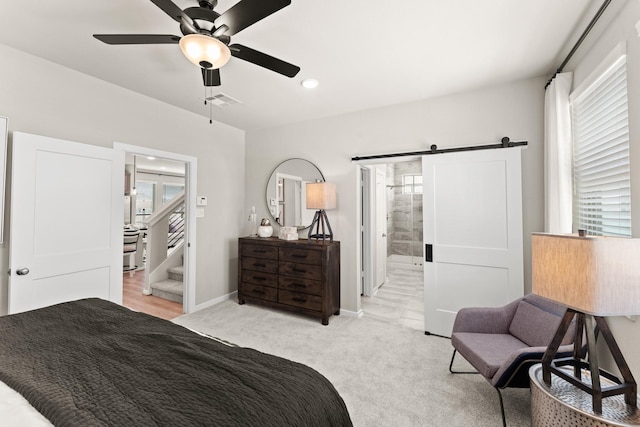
(404, 214)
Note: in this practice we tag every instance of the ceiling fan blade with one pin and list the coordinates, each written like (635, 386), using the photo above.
(211, 77)
(137, 38)
(264, 60)
(171, 9)
(248, 12)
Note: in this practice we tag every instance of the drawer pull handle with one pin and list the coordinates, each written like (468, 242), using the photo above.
(298, 285)
(298, 270)
(259, 265)
(257, 251)
(259, 278)
(299, 256)
(299, 299)
(257, 291)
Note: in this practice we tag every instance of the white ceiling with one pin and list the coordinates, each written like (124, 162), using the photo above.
(366, 54)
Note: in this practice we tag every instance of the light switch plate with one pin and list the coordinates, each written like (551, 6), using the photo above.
(199, 213)
(201, 201)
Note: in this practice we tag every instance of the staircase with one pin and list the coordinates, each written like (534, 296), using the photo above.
(171, 288)
(165, 251)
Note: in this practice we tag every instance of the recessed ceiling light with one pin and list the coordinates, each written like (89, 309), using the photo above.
(151, 158)
(310, 83)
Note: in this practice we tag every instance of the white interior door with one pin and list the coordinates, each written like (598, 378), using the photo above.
(381, 228)
(66, 222)
(472, 233)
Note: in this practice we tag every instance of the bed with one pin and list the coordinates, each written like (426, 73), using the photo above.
(92, 362)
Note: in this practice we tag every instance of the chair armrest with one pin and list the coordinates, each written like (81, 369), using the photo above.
(485, 320)
(514, 371)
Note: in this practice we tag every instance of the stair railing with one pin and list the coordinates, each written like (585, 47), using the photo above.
(176, 227)
(165, 229)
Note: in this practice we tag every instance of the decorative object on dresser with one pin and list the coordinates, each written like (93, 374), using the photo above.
(253, 222)
(595, 277)
(289, 233)
(265, 229)
(321, 196)
(295, 275)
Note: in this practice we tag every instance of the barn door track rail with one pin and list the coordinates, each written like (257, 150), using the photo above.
(504, 143)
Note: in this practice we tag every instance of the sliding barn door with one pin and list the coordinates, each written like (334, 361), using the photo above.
(66, 222)
(472, 233)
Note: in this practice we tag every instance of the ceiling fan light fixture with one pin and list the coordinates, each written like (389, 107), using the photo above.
(205, 51)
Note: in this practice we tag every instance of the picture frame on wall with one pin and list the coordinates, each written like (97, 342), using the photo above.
(4, 133)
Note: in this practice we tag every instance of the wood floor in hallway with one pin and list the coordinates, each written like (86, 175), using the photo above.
(400, 300)
(134, 299)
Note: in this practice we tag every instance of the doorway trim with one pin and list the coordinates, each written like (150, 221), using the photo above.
(191, 173)
(366, 237)
(365, 254)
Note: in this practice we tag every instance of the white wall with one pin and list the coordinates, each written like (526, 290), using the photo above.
(479, 117)
(43, 98)
(618, 26)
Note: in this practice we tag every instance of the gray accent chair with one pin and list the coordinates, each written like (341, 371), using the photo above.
(502, 343)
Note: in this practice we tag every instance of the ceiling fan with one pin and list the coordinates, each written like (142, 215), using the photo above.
(207, 34)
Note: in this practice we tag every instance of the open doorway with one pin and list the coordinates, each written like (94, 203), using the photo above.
(151, 185)
(393, 253)
(159, 204)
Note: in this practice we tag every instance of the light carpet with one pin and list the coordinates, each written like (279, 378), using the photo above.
(388, 375)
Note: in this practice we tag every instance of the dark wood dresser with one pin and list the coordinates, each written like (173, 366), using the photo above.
(295, 275)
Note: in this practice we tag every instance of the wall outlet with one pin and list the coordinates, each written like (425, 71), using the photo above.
(199, 213)
(201, 201)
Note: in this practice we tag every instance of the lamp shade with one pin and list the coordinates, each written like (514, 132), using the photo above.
(595, 275)
(321, 195)
(205, 51)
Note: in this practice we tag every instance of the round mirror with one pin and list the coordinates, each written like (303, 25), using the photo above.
(287, 192)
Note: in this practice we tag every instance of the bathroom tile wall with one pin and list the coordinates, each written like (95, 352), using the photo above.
(404, 218)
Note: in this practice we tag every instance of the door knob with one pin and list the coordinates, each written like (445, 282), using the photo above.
(22, 271)
(384, 234)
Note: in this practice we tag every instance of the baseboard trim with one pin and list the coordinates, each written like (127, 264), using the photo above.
(350, 313)
(215, 301)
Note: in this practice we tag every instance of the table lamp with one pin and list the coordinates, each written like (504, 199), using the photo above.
(594, 277)
(321, 196)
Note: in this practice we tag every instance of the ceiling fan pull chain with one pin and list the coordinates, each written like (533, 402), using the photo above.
(210, 105)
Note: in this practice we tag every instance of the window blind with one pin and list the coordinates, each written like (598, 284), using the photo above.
(602, 197)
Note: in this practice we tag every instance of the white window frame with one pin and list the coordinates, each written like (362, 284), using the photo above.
(601, 164)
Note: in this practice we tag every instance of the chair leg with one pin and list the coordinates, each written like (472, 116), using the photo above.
(504, 419)
(451, 364)
(458, 372)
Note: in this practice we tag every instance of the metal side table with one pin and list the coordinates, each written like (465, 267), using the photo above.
(563, 404)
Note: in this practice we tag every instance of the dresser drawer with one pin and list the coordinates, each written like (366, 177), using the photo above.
(300, 255)
(260, 251)
(259, 264)
(305, 271)
(260, 278)
(297, 284)
(257, 291)
(297, 299)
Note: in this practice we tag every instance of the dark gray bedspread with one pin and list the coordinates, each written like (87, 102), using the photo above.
(91, 362)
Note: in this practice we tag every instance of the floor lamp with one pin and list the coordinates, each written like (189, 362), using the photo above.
(594, 277)
(321, 196)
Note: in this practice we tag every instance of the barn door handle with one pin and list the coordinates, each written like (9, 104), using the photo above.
(428, 252)
(22, 271)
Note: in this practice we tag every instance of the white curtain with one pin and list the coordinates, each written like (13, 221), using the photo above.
(558, 156)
